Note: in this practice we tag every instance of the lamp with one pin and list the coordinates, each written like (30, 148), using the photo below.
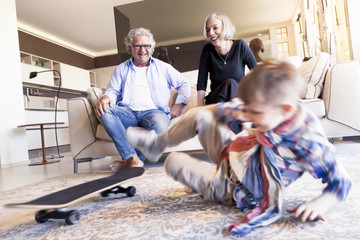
(33, 75)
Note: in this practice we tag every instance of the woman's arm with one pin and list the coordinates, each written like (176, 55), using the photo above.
(200, 98)
(202, 76)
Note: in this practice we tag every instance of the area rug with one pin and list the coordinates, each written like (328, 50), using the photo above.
(163, 209)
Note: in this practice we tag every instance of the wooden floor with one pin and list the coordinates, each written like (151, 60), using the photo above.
(13, 177)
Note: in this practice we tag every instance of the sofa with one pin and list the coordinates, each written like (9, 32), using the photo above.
(332, 93)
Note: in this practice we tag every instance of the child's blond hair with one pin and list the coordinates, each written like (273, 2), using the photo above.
(271, 82)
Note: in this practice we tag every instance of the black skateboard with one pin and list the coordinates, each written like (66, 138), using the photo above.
(52, 204)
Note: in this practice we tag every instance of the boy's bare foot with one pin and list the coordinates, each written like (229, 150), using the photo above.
(133, 161)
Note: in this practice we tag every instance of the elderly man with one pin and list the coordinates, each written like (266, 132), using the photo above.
(138, 94)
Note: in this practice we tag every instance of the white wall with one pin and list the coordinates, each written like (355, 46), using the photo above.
(13, 145)
(354, 20)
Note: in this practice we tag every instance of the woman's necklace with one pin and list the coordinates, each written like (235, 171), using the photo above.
(224, 60)
(227, 54)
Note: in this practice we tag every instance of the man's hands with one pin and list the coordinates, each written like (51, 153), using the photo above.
(101, 105)
(175, 110)
(104, 100)
(315, 209)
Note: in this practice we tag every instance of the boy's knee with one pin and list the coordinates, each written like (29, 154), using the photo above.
(200, 114)
(174, 163)
(205, 119)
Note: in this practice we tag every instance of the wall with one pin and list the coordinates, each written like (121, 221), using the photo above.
(354, 22)
(40, 47)
(13, 145)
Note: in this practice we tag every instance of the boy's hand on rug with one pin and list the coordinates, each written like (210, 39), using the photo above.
(306, 214)
(315, 209)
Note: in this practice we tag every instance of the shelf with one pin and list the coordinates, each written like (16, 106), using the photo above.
(71, 77)
(56, 66)
(53, 88)
(25, 58)
(92, 79)
(41, 62)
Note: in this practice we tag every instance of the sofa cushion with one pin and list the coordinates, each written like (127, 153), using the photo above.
(192, 99)
(94, 94)
(101, 134)
(313, 72)
(316, 105)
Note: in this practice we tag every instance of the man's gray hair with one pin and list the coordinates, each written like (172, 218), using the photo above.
(129, 39)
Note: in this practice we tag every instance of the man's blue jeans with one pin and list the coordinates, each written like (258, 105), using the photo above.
(119, 118)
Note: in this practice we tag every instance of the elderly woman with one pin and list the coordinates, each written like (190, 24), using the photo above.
(224, 59)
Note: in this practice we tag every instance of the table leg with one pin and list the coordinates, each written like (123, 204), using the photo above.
(44, 161)
(43, 143)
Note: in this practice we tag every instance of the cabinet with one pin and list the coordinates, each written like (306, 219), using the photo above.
(103, 76)
(72, 77)
(92, 79)
(32, 63)
(40, 96)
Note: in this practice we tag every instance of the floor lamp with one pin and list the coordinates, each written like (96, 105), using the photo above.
(33, 75)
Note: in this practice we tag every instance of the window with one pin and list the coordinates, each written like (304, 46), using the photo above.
(281, 32)
(282, 42)
(283, 49)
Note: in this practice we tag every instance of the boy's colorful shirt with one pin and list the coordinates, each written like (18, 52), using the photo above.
(229, 110)
(274, 159)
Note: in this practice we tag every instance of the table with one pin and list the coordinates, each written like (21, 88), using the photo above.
(44, 161)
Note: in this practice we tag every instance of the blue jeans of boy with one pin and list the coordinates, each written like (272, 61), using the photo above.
(119, 118)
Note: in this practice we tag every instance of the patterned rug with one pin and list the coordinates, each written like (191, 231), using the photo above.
(162, 209)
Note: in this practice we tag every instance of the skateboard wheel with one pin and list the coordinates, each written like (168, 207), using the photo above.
(130, 191)
(41, 216)
(72, 217)
(105, 193)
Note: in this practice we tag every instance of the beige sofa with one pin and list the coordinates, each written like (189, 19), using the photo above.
(337, 108)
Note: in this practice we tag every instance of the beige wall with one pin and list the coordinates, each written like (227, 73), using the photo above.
(354, 22)
(13, 145)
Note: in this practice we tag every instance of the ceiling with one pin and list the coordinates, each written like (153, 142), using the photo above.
(88, 26)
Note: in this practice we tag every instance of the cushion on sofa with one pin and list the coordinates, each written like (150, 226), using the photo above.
(316, 105)
(192, 99)
(94, 94)
(313, 72)
(101, 133)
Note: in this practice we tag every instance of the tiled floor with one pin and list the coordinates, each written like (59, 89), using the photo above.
(13, 177)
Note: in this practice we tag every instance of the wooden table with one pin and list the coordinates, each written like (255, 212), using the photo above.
(44, 161)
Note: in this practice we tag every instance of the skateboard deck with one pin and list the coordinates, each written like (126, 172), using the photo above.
(66, 197)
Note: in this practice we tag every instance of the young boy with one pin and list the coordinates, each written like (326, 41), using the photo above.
(253, 170)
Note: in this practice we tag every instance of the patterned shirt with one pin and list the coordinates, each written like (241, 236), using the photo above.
(264, 163)
(300, 145)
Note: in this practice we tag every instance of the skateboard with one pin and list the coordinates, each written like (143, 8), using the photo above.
(53, 205)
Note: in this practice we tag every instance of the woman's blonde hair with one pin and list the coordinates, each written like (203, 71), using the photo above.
(228, 28)
(271, 82)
